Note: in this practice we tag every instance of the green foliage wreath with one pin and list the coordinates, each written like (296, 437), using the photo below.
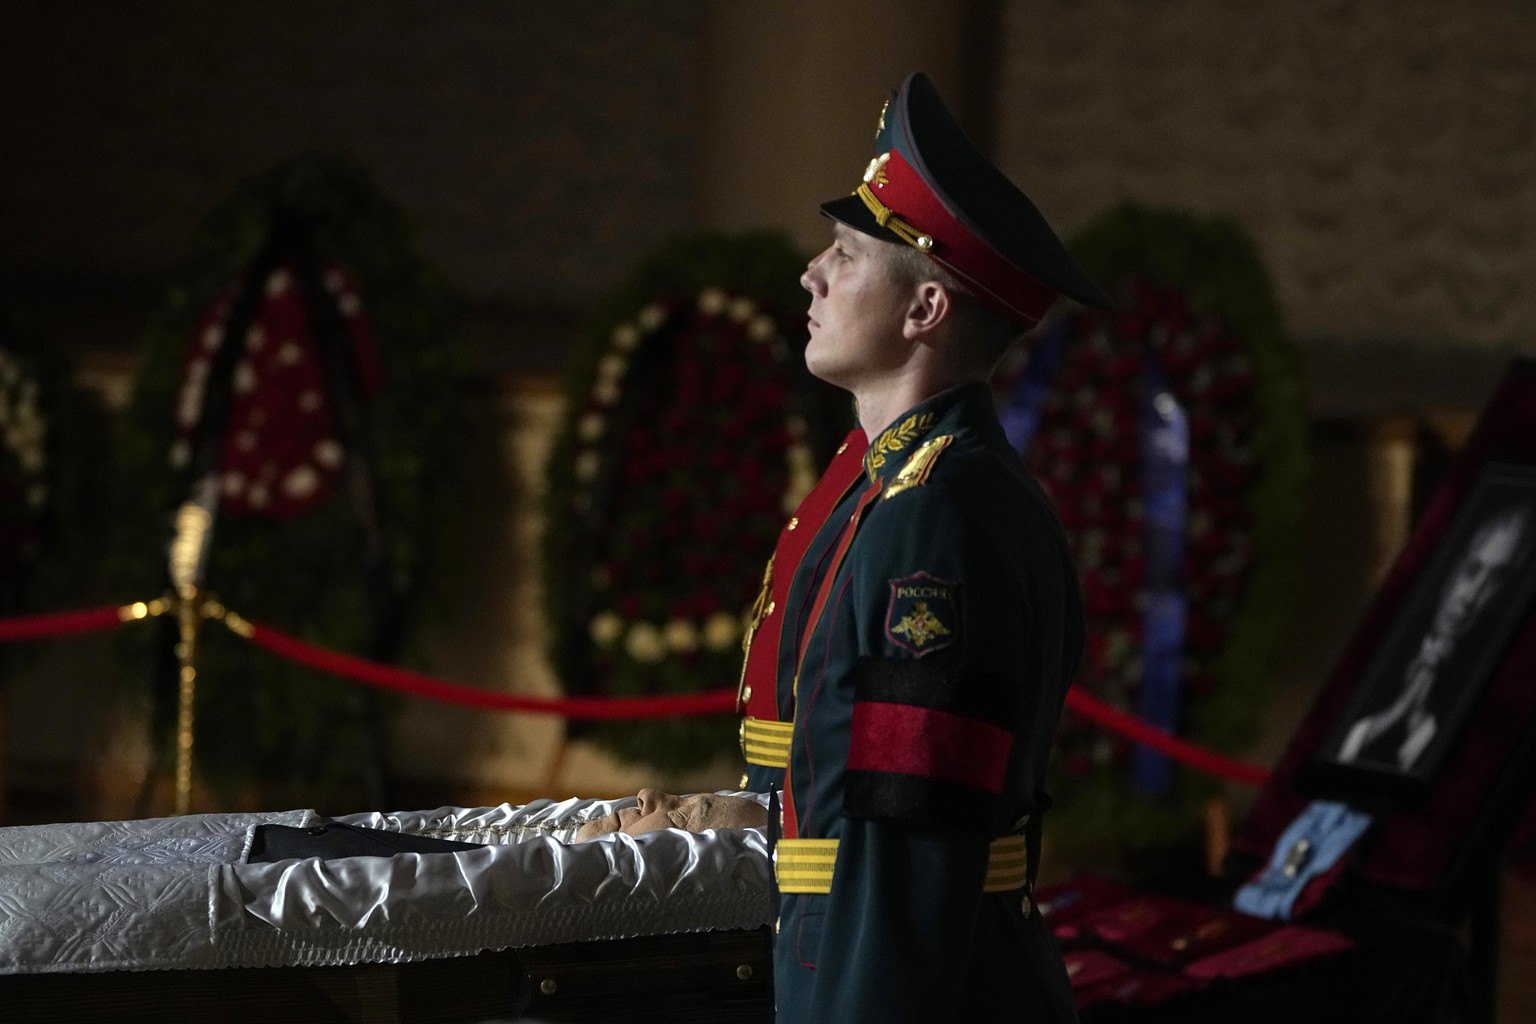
(1173, 271)
(688, 426)
(51, 464)
(258, 717)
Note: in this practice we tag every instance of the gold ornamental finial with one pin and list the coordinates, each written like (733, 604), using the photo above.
(193, 524)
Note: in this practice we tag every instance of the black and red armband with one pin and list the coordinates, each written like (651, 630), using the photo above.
(923, 747)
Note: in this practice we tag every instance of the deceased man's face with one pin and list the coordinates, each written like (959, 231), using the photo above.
(655, 810)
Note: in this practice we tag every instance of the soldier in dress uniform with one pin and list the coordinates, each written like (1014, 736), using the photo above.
(928, 631)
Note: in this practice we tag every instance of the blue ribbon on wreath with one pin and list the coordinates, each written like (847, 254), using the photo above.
(1164, 451)
(1165, 497)
(1020, 416)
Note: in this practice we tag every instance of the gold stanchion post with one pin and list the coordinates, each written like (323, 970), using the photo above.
(188, 616)
(193, 523)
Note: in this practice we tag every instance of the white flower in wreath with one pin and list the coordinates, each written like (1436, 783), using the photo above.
(329, 453)
(611, 367)
(761, 329)
(191, 405)
(21, 415)
(644, 643)
(721, 631)
(682, 636)
(626, 337)
(181, 454)
(605, 392)
(605, 628)
(36, 495)
(742, 309)
(301, 482)
(652, 317)
(245, 377)
(712, 301)
(590, 427)
(586, 467)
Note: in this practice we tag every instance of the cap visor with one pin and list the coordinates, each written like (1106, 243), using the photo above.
(850, 210)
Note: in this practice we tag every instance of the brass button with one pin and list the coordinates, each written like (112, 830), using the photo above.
(744, 972)
(743, 784)
(771, 608)
(794, 521)
(548, 986)
(746, 692)
(776, 923)
(1027, 905)
(842, 447)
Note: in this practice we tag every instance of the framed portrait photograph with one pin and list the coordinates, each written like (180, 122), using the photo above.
(1460, 615)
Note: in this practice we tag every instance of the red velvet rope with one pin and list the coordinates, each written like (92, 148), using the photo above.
(720, 701)
(405, 681)
(36, 627)
(1132, 728)
(39, 627)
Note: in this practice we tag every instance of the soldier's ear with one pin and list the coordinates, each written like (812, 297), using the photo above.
(929, 305)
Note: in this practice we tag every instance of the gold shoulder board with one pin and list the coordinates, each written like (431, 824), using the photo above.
(918, 465)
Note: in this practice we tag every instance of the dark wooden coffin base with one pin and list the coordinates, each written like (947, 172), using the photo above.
(691, 978)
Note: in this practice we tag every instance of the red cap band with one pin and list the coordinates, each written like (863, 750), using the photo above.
(894, 184)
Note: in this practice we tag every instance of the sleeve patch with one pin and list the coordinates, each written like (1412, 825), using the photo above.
(907, 740)
(924, 614)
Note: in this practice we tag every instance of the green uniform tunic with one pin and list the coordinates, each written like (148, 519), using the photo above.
(931, 654)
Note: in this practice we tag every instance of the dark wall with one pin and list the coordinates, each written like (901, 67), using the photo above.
(539, 147)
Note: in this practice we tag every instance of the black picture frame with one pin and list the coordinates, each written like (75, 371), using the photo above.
(1408, 711)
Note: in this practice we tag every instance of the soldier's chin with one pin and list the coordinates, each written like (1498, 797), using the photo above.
(824, 368)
